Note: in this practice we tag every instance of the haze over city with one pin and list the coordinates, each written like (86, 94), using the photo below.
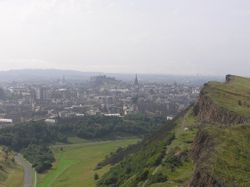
(127, 36)
(124, 93)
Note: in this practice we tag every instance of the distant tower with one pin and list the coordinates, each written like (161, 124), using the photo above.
(136, 83)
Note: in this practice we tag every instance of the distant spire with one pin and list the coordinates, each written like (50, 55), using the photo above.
(136, 83)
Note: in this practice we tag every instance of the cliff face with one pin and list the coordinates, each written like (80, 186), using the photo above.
(220, 151)
(225, 103)
(203, 179)
(221, 157)
(209, 112)
(203, 175)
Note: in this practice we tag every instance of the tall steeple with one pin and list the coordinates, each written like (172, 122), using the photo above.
(136, 83)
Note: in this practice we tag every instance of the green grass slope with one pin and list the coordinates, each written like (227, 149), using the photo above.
(11, 174)
(188, 152)
(162, 159)
(229, 162)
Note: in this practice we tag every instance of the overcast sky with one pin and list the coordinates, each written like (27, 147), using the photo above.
(210, 37)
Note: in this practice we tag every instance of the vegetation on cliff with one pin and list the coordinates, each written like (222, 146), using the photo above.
(225, 102)
(162, 158)
(209, 144)
(222, 156)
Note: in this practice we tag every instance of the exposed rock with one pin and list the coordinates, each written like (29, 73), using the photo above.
(229, 78)
(202, 148)
(201, 143)
(208, 112)
(203, 179)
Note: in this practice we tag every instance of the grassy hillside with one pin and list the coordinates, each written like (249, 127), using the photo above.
(162, 160)
(75, 162)
(177, 164)
(234, 95)
(11, 174)
(229, 161)
(191, 153)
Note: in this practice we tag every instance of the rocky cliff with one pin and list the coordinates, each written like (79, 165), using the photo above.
(208, 145)
(203, 175)
(210, 111)
(220, 151)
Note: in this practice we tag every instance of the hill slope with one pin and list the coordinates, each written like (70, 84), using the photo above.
(207, 145)
(11, 174)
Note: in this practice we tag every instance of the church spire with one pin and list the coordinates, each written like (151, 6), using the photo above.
(136, 83)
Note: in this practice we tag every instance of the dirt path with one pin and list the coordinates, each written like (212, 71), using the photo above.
(28, 171)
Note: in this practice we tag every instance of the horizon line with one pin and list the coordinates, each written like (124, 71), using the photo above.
(119, 73)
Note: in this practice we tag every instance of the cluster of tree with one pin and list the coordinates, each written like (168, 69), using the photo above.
(21, 136)
(99, 127)
(40, 156)
(33, 138)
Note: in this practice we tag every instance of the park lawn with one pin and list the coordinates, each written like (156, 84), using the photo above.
(76, 163)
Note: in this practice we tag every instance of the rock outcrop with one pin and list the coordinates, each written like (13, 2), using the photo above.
(203, 179)
(209, 112)
(203, 175)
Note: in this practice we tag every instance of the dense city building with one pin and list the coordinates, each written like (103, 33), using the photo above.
(101, 95)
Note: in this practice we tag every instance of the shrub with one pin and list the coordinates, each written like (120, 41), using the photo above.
(96, 176)
(143, 176)
(158, 178)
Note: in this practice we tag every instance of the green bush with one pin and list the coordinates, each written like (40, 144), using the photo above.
(158, 178)
(96, 176)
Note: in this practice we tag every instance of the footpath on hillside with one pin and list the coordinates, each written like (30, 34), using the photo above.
(28, 171)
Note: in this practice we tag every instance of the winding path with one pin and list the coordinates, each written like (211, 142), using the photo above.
(28, 171)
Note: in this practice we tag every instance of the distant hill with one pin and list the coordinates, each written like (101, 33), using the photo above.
(43, 75)
(208, 145)
(55, 74)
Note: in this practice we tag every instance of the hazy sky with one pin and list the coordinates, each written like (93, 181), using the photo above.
(127, 36)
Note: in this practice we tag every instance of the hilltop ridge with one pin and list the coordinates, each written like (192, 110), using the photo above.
(225, 103)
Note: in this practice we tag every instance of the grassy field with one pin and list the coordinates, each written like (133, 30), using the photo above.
(76, 162)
